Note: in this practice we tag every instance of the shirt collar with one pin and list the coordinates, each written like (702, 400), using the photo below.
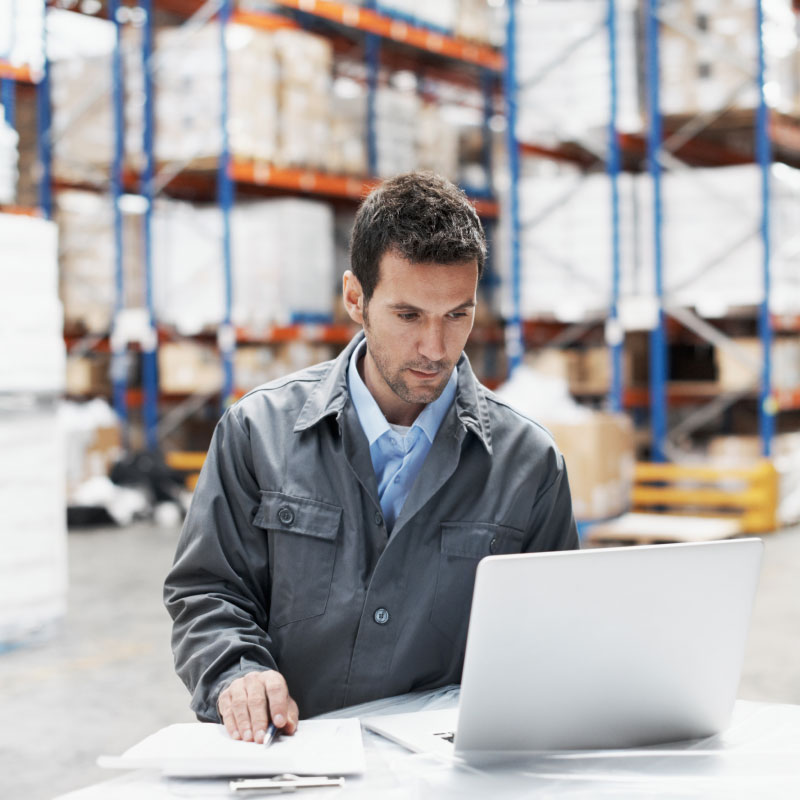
(370, 415)
(330, 394)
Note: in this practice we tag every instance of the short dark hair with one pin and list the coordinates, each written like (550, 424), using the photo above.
(421, 217)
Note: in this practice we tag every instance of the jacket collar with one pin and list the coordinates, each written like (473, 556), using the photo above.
(330, 396)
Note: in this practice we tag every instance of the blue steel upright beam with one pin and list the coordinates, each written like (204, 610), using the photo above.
(119, 345)
(766, 406)
(613, 168)
(514, 337)
(150, 347)
(43, 128)
(487, 90)
(372, 58)
(658, 345)
(8, 98)
(227, 337)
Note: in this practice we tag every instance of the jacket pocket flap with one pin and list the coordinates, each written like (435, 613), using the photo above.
(479, 539)
(284, 512)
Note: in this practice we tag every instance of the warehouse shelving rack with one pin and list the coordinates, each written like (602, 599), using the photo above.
(582, 152)
(376, 27)
(685, 144)
(661, 154)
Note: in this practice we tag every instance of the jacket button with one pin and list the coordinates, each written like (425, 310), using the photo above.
(378, 518)
(493, 546)
(381, 616)
(286, 515)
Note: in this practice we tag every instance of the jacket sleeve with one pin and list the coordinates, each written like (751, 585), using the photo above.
(552, 524)
(217, 591)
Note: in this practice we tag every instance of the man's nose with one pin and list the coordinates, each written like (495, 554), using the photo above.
(431, 345)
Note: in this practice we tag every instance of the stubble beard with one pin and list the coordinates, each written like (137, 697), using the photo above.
(395, 380)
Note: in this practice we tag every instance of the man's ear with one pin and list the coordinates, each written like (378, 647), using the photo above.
(353, 297)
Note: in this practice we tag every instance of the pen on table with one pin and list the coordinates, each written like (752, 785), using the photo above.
(269, 736)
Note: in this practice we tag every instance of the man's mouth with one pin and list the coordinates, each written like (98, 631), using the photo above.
(424, 375)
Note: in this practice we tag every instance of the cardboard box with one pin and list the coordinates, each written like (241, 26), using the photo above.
(88, 375)
(733, 375)
(586, 371)
(189, 368)
(599, 453)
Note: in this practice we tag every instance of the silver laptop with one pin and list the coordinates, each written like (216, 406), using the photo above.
(596, 649)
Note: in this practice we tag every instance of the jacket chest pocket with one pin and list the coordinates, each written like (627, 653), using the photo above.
(303, 537)
(463, 545)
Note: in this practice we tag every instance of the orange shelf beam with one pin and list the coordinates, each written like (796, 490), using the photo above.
(370, 21)
(321, 183)
(262, 20)
(367, 20)
(22, 211)
(313, 333)
(786, 323)
(21, 74)
(301, 180)
(787, 399)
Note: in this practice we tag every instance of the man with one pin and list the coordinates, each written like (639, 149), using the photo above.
(329, 553)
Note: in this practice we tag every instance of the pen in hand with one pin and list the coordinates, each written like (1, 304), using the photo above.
(269, 736)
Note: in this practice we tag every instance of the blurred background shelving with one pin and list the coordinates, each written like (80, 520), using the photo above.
(185, 149)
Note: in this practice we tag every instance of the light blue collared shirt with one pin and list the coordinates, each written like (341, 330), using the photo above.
(396, 459)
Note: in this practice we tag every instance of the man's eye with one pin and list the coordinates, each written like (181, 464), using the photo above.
(407, 317)
(458, 315)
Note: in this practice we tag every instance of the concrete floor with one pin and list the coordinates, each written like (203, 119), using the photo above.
(104, 678)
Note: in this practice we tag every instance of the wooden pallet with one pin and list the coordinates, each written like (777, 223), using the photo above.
(677, 503)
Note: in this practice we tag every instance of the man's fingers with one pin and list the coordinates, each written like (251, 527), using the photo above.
(240, 711)
(224, 706)
(294, 715)
(278, 695)
(257, 705)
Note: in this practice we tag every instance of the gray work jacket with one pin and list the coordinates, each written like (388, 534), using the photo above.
(284, 561)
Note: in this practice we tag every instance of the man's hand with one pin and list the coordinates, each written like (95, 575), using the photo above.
(251, 702)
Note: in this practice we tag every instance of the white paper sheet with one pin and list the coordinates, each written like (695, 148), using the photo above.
(319, 747)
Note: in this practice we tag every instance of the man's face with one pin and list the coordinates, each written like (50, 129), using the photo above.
(416, 324)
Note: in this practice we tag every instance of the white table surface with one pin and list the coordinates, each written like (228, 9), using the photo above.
(757, 756)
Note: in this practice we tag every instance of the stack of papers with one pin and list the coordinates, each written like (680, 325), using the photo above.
(197, 750)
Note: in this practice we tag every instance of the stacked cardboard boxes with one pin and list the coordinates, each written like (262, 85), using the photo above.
(587, 370)
(704, 46)
(567, 98)
(87, 277)
(737, 374)
(566, 247)
(712, 252)
(599, 454)
(254, 365)
(598, 448)
(280, 273)
(305, 68)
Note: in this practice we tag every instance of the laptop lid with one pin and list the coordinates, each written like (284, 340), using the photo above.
(606, 648)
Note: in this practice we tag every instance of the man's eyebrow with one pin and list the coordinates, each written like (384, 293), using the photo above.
(408, 307)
